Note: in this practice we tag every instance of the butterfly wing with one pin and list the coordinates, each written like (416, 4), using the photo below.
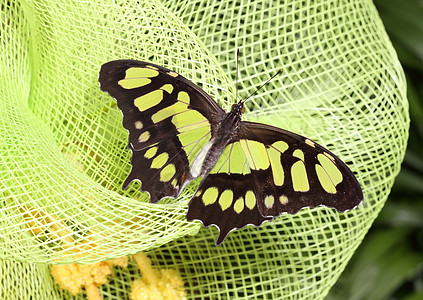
(268, 171)
(294, 172)
(168, 119)
(226, 197)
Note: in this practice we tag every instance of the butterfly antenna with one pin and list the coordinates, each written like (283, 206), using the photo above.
(259, 88)
(237, 71)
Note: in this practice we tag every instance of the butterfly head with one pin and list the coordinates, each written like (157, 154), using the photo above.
(238, 108)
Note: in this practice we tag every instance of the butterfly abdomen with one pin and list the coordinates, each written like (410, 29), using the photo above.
(212, 156)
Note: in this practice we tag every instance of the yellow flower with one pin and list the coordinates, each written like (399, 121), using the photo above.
(165, 284)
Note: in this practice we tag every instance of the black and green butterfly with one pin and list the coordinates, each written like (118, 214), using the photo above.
(250, 172)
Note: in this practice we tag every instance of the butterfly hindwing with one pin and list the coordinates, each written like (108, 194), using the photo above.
(168, 119)
(156, 167)
(290, 172)
(226, 197)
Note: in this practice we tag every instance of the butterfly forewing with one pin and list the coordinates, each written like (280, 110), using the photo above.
(168, 119)
(290, 172)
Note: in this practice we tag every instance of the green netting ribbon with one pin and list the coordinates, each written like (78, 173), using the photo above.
(63, 154)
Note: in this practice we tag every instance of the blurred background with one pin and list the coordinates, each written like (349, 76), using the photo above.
(389, 263)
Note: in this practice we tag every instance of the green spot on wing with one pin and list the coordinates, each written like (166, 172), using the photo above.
(183, 96)
(188, 120)
(239, 205)
(299, 154)
(148, 100)
(160, 160)
(269, 201)
(137, 77)
(250, 199)
(210, 195)
(167, 173)
(150, 152)
(256, 154)
(132, 83)
(225, 199)
(136, 72)
(324, 180)
(169, 111)
(299, 177)
(330, 168)
(276, 165)
(168, 88)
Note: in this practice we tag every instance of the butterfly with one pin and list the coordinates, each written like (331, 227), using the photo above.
(250, 172)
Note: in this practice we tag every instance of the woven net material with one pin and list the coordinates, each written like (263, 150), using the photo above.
(63, 148)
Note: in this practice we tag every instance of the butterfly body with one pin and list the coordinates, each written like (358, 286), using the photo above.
(251, 172)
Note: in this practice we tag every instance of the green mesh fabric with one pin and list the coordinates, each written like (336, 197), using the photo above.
(63, 154)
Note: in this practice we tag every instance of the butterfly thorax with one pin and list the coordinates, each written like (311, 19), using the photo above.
(225, 133)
